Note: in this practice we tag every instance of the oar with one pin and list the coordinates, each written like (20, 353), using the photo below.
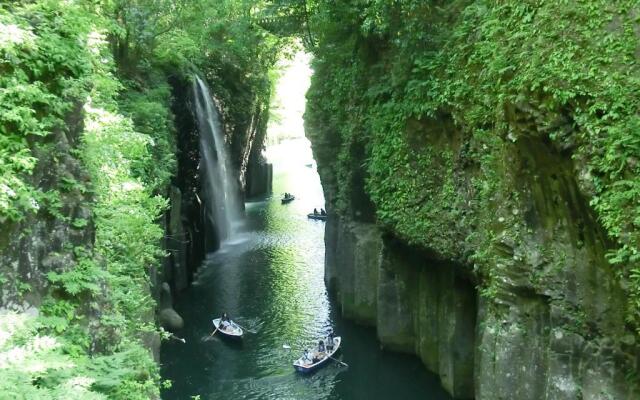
(177, 338)
(340, 362)
(250, 331)
(213, 333)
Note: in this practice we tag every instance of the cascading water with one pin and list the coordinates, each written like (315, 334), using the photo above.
(221, 190)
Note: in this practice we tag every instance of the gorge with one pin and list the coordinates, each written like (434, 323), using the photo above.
(479, 164)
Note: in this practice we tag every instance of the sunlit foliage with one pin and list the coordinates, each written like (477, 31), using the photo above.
(106, 62)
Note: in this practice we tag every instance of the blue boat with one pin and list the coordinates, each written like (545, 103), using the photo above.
(305, 364)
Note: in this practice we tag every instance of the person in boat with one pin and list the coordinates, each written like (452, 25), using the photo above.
(224, 321)
(330, 341)
(323, 212)
(315, 211)
(305, 357)
(319, 354)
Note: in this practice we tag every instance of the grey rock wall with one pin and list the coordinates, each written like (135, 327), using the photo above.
(415, 306)
(519, 348)
(259, 177)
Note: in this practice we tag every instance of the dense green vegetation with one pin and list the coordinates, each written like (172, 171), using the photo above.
(401, 81)
(107, 64)
(393, 81)
(58, 56)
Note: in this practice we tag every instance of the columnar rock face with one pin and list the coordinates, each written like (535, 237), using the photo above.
(177, 242)
(550, 325)
(502, 188)
(417, 306)
(168, 318)
(259, 176)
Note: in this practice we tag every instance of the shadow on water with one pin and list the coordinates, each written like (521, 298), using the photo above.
(270, 279)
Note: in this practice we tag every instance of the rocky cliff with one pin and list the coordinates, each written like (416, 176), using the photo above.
(473, 218)
(99, 182)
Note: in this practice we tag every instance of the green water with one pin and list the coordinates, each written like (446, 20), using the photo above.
(269, 279)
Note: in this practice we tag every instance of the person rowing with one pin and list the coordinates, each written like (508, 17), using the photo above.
(306, 358)
(319, 354)
(330, 343)
(225, 322)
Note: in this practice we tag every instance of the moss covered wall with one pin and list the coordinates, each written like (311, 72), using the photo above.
(500, 140)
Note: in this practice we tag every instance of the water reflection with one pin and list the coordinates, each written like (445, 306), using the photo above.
(270, 279)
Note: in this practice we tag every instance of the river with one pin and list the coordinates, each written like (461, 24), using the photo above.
(269, 278)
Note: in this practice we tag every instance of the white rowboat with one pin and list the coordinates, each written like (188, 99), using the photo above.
(232, 330)
(306, 365)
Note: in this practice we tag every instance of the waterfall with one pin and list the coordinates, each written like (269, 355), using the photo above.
(222, 202)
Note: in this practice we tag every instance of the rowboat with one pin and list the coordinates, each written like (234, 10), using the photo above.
(317, 216)
(232, 330)
(308, 364)
(286, 200)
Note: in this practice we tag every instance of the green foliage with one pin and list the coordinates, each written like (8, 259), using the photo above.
(107, 62)
(84, 277)
(148, 109)
(54, 56)
(42, 72)
(384, 67)
(239, 56)
(36, 366)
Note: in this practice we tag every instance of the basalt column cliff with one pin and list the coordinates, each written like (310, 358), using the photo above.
(480, 163)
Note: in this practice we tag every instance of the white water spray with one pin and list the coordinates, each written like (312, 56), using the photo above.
(221, 188)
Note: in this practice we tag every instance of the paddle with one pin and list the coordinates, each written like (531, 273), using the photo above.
(339, 362)
(177, 338)
(250, 331)
(213, 333)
